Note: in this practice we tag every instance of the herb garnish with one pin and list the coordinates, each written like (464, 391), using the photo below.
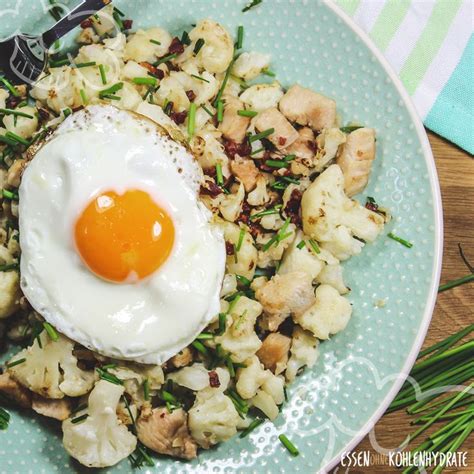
(400, 240)
(191, 119)
(103, 77)
(259, 136)
(16, 362)
(288, 445)
(247, 113)
(12, 89)
(240, 37)
(250, 5)
(16, 113)
(165, 59)
(198, 46)
(148, 81)
(255, 423)
(108, 377)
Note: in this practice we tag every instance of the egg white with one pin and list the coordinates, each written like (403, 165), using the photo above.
(102, 148)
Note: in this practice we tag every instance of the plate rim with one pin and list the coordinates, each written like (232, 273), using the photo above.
(438, 241)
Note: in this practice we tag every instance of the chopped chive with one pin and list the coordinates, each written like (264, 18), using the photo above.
(272, 241)
(241, 279)
(241, 240)
(144, 457)
(8, 141)
(81, 65)
(259, 136)
(149, 81)
(79, 408)
(155, 42)
(4, 419)
(277, 163)
(204, 336)
(112, 89)
(400, 240)
(288, 445)
(267, 72)
(314, 246)
(200, 347)
(267, 212)
(199, 78)
(185, 38)
(220, 110)
(109, 366)
(257, 151)
(247, 113)
(118, 20)
(15, 112)
(222, 324)
(191, 119)
(146, 390)
(198, 46)
(67, 112)
(51, 331)
(289, 157)
(165, 59)
(110, 97)
(301, 245)
(17, 138)
(224, 82)
(16, 362)
(104, 375)
(59, 62)
(454, 283)
(82, 92)
(255, 423)
(219, 175)
(208, 112)
(13, 90)
(118, 11)
(285, 393)
(350, 128)
(168, 397)
(103, 76)
(448, 342)
(240, 37)
(10, 195)
(79, 419)
(279, 236)
(250, 5)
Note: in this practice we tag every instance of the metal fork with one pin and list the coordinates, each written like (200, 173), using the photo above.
(23, 57)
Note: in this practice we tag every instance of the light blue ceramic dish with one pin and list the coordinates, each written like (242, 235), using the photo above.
(332, 406)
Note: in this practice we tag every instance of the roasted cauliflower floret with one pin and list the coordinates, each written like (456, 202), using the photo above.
(332, 275)
(291, 293)
(196, 377)
(333, 219)
(249, 65)
(50, 369)
(307, 107)
(328, 142)
(25, 127)
(304, 352)
(262, 96)
(139, 47)
(213, 418)
(10, 293)
(100, 440)
(356, 159)
(239, 338)
(329, 314)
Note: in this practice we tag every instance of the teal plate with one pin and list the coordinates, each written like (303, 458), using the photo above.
(332, 406)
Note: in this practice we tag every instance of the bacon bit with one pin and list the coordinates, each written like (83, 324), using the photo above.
(233, 148)
(191, 95)
(13, 101)
(76, 109)
(214, 379)
(229, 248)
(281, 141)
(312, 145)
(153, 70)
(176, 46)
(162, 415)
(372, 206)
(292, 208)
(43, 115)
(86, 23)
(179, 117)
(127, 24)
(211, 189)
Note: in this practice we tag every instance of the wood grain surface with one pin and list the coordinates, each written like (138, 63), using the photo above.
(454, 308)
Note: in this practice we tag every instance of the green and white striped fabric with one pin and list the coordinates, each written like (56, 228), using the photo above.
(430, 44)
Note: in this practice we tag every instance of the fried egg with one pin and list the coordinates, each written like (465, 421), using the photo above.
(118, 253)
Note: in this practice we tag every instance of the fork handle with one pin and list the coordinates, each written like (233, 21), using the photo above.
(70, 21)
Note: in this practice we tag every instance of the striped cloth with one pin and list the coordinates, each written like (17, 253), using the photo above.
(430, 44)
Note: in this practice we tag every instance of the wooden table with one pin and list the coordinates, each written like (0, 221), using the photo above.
(455, 308)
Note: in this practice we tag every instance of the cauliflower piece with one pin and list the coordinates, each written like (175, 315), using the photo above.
(155, 113)
(356, 159)
(304, 352)
(167, 433)
(332, 275)
(172, 90)
(230, 205)
(244, 261)
(10, 293)
(129, 97)
(233, 125)
(218, 49)
(262, 96)
(291, 293)
(270, 395)
(270, 257)
(329, 314)
(249, 65)
(246, 171)
(3, 98)
(196, 377)
(100, 440)
(183, 358)
(306, 107)
(209, 151)
(23, 126)
(213, 418)
(239, 338)
(274, 352)
(103, 22)
(250, 378)
(229, 285)
(328, 142)
(259, 196)
(333, 219)
(300, 259)
(284, 133)
(140, 48)
(50, 369)
(87, 36)
(15, 171)
(132, 69)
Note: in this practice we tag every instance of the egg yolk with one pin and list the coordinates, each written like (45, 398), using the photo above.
(124, 237)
